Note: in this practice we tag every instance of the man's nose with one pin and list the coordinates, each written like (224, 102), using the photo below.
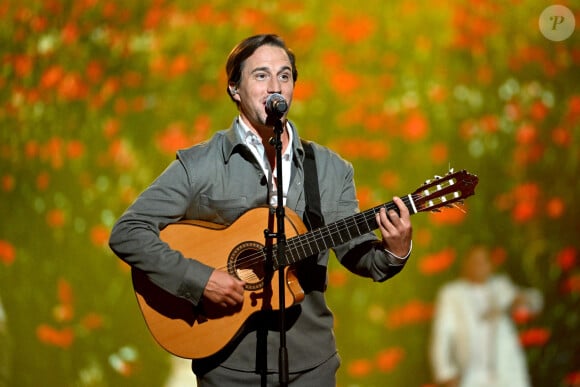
(274, 85)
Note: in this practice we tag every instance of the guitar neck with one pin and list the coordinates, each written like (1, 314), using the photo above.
(336, 233)
(431, 196)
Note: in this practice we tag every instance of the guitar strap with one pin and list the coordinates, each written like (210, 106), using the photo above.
(312, 214)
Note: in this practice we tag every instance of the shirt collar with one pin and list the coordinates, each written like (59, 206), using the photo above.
(236, 137)
(250, 137)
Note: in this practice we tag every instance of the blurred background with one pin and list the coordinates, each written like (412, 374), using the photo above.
(96, 97)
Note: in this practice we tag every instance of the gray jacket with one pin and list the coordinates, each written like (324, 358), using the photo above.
(218, 181)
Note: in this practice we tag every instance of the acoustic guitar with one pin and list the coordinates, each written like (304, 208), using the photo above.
(197, 332)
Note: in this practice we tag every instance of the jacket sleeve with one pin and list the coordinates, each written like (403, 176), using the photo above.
(135, 236)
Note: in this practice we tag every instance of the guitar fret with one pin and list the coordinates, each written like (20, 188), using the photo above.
(300, 250)
(358, 232)
(364, 222)
(350, 227)
(324, 245)
(291, 250)
(369, 219)
(300, 240)
(309, 245)
(348, 236)
(333, 242)
(313, 243)
(316, 241)
(338, 234)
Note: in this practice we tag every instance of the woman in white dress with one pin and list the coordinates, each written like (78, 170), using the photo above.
(474, 340)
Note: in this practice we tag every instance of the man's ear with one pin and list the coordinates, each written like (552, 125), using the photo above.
(233, 88)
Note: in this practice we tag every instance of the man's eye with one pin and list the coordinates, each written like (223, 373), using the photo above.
(285, 77)
(261, 76)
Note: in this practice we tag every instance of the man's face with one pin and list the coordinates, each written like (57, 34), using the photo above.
(268, 70)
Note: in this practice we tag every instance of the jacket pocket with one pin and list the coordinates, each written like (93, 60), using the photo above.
(223, 211)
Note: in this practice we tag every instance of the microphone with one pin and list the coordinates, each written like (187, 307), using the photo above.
(276, 105)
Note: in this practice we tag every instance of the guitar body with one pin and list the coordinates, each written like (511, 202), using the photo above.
(190, 332)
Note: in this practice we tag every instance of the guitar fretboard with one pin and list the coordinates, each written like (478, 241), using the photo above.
(336, 233)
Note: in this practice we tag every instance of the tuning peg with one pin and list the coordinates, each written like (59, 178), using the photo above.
(459, 205)
(437, 177)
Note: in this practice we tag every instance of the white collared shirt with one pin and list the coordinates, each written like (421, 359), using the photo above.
(254, 142)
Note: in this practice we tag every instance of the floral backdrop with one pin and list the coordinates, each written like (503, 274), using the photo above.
(96, 97)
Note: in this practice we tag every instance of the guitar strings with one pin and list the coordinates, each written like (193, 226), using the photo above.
(294, 244)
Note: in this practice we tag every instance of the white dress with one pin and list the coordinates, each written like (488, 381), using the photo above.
(474, 337)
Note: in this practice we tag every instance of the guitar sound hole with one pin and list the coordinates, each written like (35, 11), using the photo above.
(246, 262)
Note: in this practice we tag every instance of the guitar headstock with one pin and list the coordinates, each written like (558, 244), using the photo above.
(444, 191)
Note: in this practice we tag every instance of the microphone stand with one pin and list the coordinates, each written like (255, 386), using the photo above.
(280, 236)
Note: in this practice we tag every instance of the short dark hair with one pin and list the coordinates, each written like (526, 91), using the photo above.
(246, 48)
